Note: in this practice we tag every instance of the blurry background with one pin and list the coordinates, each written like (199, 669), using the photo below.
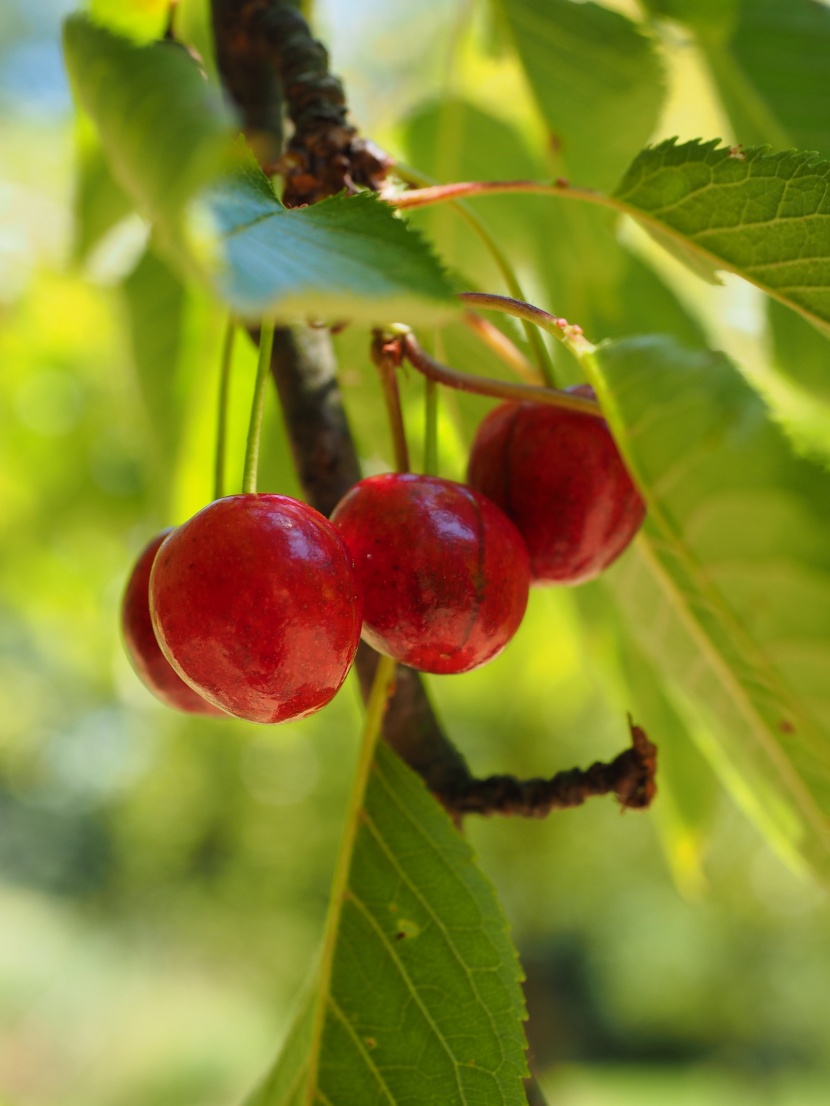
(163, 880)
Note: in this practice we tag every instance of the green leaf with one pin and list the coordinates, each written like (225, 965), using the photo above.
(687, 786)
(346, 257)
(453, 140)
(155, 301)
(727, 590)
(597, 80)
(100, 201)
(771, 73)
(142, 20)
(763, 216)
(170, 143)
(802, 356)
(165, 130)
(422, 937)
(713, 19)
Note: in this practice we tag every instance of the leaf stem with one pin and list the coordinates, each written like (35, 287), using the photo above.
(382, 688)
(222, 411)
(540, 351)
(485, 386)
(266, 344)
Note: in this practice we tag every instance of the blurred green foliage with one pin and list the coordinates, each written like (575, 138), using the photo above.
(163, 880)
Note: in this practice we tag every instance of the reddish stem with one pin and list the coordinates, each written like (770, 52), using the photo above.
(459, 190)
(386, 356)
(484, 386)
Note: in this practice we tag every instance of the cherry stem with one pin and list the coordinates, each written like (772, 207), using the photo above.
(222, 408)
(430, 427)
(386, 357)
(485, 386)
(567, 333)
(540, 351)
(266, 344)
(503, 348)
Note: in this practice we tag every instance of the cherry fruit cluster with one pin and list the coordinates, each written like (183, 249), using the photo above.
(254, 607)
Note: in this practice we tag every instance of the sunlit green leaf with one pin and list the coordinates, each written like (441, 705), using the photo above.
(728, 588)
(772, 74)
(100, 201)
(713, 19)
(170, 141)
(155, 300)
(346, 257)
(597, 79)
(422, 936)
(763, 216)
(455, 140)
(165, 130)
(687, 786)
(802, 354)
(142, 20)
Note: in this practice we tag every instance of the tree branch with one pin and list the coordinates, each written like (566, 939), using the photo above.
(630, 776)
(324, 154)
(266, 55)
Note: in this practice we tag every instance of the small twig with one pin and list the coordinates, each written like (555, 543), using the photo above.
(630, 776)
(485, 386)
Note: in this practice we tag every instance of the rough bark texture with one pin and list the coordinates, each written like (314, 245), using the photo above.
(267, 56)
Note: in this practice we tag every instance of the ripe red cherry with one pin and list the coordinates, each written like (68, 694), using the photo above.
(559, 476)
(151, 665)
(255, 603)
(444, 573)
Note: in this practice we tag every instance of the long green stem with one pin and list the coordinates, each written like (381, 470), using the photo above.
(430, 427)
(411, 176)
(266, 344)
(222, 412)
(382, 686)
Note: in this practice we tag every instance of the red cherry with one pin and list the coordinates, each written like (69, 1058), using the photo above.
(559, 476)
(255, 603)
(444, 573)
(151, 665)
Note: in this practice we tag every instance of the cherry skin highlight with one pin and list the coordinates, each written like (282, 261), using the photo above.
(445, 575)
(150, 664)
(255, 603)
(559, 476)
